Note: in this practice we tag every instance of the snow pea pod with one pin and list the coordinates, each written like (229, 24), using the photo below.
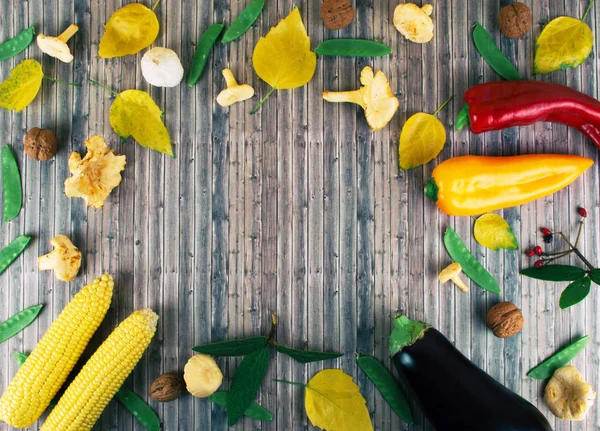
(15, 324)
(138, 408)
(17, 44)
(352, 48)
(11, 184)
(561, 358)
(9, 253)
(492, 54)
(470, 266)
(205, 44)
(244, 21)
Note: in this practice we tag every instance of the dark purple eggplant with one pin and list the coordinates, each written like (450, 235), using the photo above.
(451, 390)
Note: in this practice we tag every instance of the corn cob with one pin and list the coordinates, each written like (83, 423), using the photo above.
(51, 361)
(101, 377)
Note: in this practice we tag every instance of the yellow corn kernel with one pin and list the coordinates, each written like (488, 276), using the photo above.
(101, 377)
(51, 361)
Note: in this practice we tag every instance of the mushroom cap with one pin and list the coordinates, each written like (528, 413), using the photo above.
(65, 259)
(568, 396)
(450, 272)
(414, 22)
(232, 95)
(54, 47)
(161, 67)
(380, 104)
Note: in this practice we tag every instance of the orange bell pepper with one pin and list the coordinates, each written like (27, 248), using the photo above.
(471, 185)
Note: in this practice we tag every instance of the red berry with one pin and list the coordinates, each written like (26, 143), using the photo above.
(546, 231)
(538, 250)
(530, 253)
(538, 263)
(582, 212)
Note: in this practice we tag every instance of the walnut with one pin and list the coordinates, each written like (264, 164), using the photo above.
(505, 319)
(40, 144)
(166, 387)
(515, 20)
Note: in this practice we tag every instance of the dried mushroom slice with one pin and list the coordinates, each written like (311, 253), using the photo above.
(414, 22)
(568, 396)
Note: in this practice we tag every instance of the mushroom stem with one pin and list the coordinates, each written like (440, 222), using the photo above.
(459, 283)
(68, 33)
(345, 96)
(229, 78)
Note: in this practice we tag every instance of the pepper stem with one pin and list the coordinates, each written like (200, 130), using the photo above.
(431, 190)
(103, 87)
(263, 100)
(463, 118)
(68, 33)
(443, 105)
(354, 96)
(60, 81)
(587, 10)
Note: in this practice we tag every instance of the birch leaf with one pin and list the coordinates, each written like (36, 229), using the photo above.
(129, 30)
(134, 113)
(22, 86)
(493, 232)
(422, 138)
(565, 42)
(333, 402)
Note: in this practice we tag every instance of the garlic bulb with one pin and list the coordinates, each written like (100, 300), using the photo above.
(161, 67)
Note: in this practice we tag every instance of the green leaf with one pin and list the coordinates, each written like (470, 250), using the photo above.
(595, 275)
(554, 273)
(492, 54)
(387, 385)
(245, 383)
(232, 348)
(306, 356)
(575, 292)
(561, 358)
(253, 412)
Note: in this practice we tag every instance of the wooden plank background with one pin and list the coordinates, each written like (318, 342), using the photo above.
(299, 209)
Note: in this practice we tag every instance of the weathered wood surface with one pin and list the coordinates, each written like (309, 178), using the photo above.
(299, 210)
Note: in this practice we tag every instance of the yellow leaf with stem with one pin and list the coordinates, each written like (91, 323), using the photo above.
(129, 30)
(493, 232)
(22, 86)
(565, 42)
(283, 58)
(334, 402)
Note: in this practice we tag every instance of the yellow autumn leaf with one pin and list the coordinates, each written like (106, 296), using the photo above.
(493, 232)
(283, 58)
(134, 113)
(129, 30)
(333, 402)
(422, 138)
(565, 42)
(22, 86)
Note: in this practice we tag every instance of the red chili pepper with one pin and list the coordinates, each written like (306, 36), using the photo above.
(503, 104)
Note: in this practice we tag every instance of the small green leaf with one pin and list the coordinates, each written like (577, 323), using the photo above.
(245, 383)
(595, 275)
(232, 348)
(387, 385)
(253, 412)
(307, 356)
(554, 273)
(575, 292)
(561, 358)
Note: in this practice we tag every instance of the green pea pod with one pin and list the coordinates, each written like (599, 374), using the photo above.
(17, 44)
(15, 324)
(205, 44)
(352, 48)
(244, 21)
(9, 253)
(387, 385)
(11, 184)
(470, 266)
(253, 412)
(561, 358)
(138, 408)
(492, 54)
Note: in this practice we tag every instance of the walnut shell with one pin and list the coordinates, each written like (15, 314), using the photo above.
(515, 20)
(166, 387)
(505, 319)
(40, 144)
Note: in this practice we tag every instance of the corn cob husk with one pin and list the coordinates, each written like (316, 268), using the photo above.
(101, 377)
(51, 361)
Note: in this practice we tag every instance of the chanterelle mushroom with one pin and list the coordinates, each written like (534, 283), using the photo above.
(234, 92)
(375, 97)
(414, 22)
(452, 272)
(65, 259)
(57, 46)
(161, 67)
(568, 395)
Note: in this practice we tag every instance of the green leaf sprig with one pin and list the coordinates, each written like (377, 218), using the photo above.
(249, 375)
